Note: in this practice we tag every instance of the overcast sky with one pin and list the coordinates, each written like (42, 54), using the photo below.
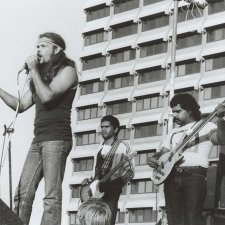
(21, 21)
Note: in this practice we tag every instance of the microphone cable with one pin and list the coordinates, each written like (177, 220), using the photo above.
(12, 125)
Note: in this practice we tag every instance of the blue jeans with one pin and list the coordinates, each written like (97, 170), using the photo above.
(44, 160)
(184, 194)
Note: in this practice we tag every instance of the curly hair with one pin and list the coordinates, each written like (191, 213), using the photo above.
(188, 103)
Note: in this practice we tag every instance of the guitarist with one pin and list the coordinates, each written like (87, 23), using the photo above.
(111, 152)
(185, 187)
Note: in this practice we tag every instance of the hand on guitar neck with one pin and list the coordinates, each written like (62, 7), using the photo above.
(153, 161)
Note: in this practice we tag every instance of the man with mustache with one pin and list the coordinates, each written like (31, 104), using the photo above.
(185, 187)
(53, 81)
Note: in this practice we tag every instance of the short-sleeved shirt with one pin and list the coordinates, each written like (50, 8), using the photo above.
(198, 149)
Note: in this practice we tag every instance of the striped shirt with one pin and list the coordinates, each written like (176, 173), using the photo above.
(126, 171)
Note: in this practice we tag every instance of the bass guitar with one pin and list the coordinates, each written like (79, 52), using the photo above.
(89, 190)
(167, 161)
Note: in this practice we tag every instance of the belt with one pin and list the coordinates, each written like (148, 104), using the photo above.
(189, 169)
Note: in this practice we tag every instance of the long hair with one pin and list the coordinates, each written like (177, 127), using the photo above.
(188, 103)
(94, 212)
(49, 70)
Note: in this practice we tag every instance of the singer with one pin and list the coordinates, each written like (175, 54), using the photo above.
(53, 81)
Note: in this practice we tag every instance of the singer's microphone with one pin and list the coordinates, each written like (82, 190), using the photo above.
(25, 67)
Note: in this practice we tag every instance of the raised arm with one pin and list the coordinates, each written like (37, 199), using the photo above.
(63, 81)
(25, 103)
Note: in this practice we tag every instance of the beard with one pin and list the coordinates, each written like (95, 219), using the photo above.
(44, 70)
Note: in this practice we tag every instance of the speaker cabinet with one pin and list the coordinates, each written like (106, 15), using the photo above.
(7, 216)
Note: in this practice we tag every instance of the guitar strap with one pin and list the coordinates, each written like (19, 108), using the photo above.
(185, 134)
(109, 157)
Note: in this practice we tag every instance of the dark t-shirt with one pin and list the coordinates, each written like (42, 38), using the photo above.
(52, 120)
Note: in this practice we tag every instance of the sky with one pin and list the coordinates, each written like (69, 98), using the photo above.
(20, 24)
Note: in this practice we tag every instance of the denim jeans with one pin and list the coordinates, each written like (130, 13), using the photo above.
(112, 198)
(184, 194)
(44, 160)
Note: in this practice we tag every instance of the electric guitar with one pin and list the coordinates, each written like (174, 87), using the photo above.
(167, 161)
(90, 190)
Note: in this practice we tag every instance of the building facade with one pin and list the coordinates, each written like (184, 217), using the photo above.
(126, 62)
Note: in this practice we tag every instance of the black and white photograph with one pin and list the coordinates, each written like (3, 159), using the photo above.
(112, 112)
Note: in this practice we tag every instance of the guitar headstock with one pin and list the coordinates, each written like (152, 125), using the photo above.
(131, 155)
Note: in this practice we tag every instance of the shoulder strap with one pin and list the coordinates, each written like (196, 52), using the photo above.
(109, 157)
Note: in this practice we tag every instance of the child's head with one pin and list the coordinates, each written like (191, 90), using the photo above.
(94, 212)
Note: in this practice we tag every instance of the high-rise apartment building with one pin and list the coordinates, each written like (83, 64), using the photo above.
(126, 72)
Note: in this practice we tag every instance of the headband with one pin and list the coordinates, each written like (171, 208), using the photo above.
(51, 43)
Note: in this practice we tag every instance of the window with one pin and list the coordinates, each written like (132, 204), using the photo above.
(214, 92)
(142, 186)
(187, 68)
(118, 108)
(184, 15)
(73, 218)
(192, 92)
(124, 134)
(83, 164)
(153, 48)
(149, 103)
(151, 75)
(87, 138)
(94, 62)
(120, 217)
(216, 6)
(142, 215)
(157, 21)
(89, 113)
(217, 62)
(122, 56)
(215, 34)
(188, 40)
(75, 189)
(121, 82)
(93, 87)
(147, 130)
(148, 2)
(125, 5)
(97, 13)
(142, 157)
(124, 30)
(97, 37)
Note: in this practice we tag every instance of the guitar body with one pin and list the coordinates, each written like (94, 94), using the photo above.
(166, 164)
(167, 161)
(89, 190)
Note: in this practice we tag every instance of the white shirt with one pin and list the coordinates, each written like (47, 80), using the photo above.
(198, 154)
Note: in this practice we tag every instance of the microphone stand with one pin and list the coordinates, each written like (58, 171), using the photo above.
(9, 131)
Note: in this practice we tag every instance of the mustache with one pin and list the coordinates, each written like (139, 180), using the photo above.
(175, 120)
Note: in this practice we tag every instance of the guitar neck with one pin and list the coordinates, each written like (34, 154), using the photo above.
(196, 129)
(111, 172)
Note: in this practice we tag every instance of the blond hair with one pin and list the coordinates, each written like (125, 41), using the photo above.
(94, 212)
